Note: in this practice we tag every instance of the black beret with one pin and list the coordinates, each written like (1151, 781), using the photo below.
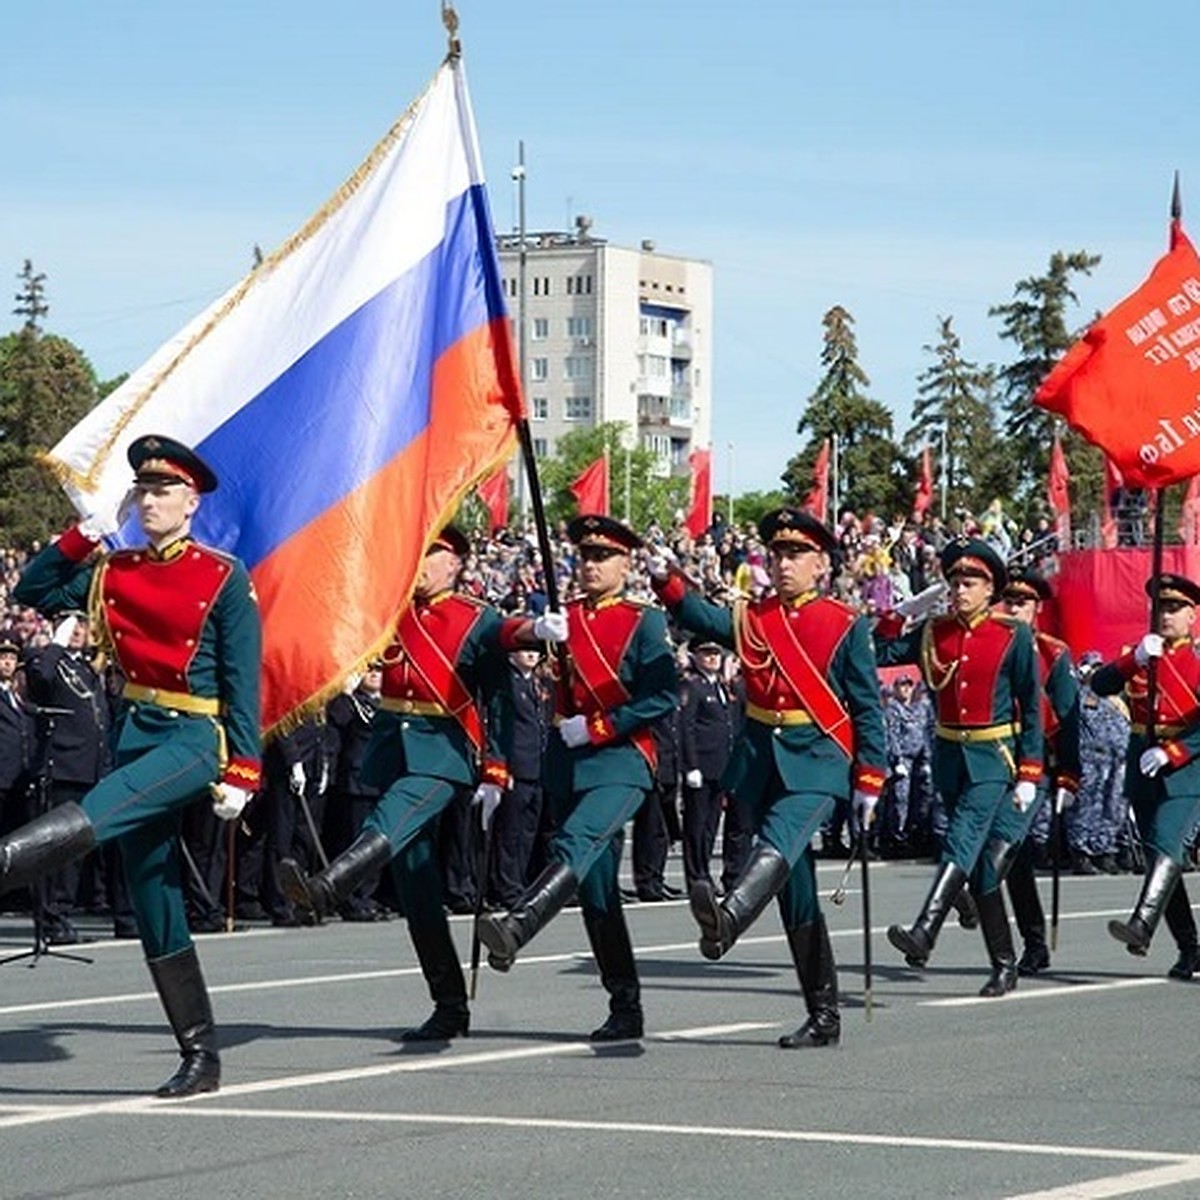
(794, 526)
(591, 529)
(158, 459)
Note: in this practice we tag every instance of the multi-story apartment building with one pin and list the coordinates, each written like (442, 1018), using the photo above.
(614, 334)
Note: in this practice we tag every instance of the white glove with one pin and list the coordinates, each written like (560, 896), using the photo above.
(298, 778)
(863, 805)
(64, 629)
(1153, 761)
(660, 562)
(574, 731)
(351, 684)
(229, 800)
(1063, 799)
(323, 782)
(99, 525)
(900, 770)
(487, 799)
(1151, 646)
(551, 627)
(1024, 794)
(693, 779)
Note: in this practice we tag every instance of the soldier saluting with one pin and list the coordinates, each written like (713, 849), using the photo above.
(1162, 774)
(981, 669)
(182, 622)
(813, 735)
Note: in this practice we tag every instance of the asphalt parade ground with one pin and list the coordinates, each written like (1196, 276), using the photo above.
(1083, 1083)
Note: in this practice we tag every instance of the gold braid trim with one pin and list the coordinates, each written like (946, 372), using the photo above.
(95, 609)
(86, 481)
(744, 641)
(931, 665)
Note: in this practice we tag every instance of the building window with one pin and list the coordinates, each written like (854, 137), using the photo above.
(541, 329)
(539, 408)
(579, 327)
(539, 369)
(541, 285)
(577, 366)
(540, 446)
(577, 408)
(656, 366)
(579, 285)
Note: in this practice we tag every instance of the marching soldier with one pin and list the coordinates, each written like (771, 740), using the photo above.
(1162, 773)
(813, 735)
(426, 740)
(599, 767)
(981, 668)
(1024, 596)
(182, 623)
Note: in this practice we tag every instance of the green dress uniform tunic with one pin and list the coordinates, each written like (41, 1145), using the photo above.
(182, 624)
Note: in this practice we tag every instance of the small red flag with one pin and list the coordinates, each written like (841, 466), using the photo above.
(924, 496)
(1113, 482)
(591, 488)
(1057, 490)
(817, 502)
(700, 515)
(493, 491)
(1130, 384)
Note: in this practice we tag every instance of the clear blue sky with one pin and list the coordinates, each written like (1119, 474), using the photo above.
(906, 160)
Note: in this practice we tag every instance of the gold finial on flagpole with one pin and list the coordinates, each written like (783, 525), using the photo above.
(450, 20)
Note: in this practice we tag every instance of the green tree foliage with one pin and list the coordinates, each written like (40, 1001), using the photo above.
(1035, 321)
(956, 402)
(653, 497)
(873, 474)
(46, 387)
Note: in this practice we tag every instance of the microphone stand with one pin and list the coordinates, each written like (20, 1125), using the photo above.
(37, 889)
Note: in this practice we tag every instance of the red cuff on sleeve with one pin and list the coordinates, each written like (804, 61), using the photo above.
(1177, 752)
(516, 633)
(1127, 665)
(671, 590)
(494, 771)
(76, 545)
(244, 773)
(890, 625)
(1070, 782)
(868, 779)
(1030, 770)
(601, 730)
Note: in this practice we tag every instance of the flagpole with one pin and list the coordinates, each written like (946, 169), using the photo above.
(522, 267)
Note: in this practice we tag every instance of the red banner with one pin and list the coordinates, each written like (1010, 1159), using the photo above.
(818, 499)
(1131, 385)
(700, 516)
(1058, 492)
(924, 496)
(493, 491)
(591, 488)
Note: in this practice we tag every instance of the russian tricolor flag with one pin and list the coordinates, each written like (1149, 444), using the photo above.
(347, 392)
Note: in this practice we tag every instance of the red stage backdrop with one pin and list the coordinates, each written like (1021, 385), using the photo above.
(1100, 601)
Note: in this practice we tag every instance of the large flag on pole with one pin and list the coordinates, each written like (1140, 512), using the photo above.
(348, 392)
(1130, 385)
(924, 496)
(1058, 493)
(700, 511)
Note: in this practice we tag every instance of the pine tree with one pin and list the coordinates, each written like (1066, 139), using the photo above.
(873, 475)
(954, 414)
(1036, 322)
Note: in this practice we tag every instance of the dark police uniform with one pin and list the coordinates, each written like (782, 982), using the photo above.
(622, 679)
(813, 733)
(16, 751)
(1166, 804)
(183, 626)
(982, 674)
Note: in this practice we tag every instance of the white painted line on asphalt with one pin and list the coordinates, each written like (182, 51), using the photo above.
(1186, 1171)
(1075, 991)
(541, 1123)
(35, 1115)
